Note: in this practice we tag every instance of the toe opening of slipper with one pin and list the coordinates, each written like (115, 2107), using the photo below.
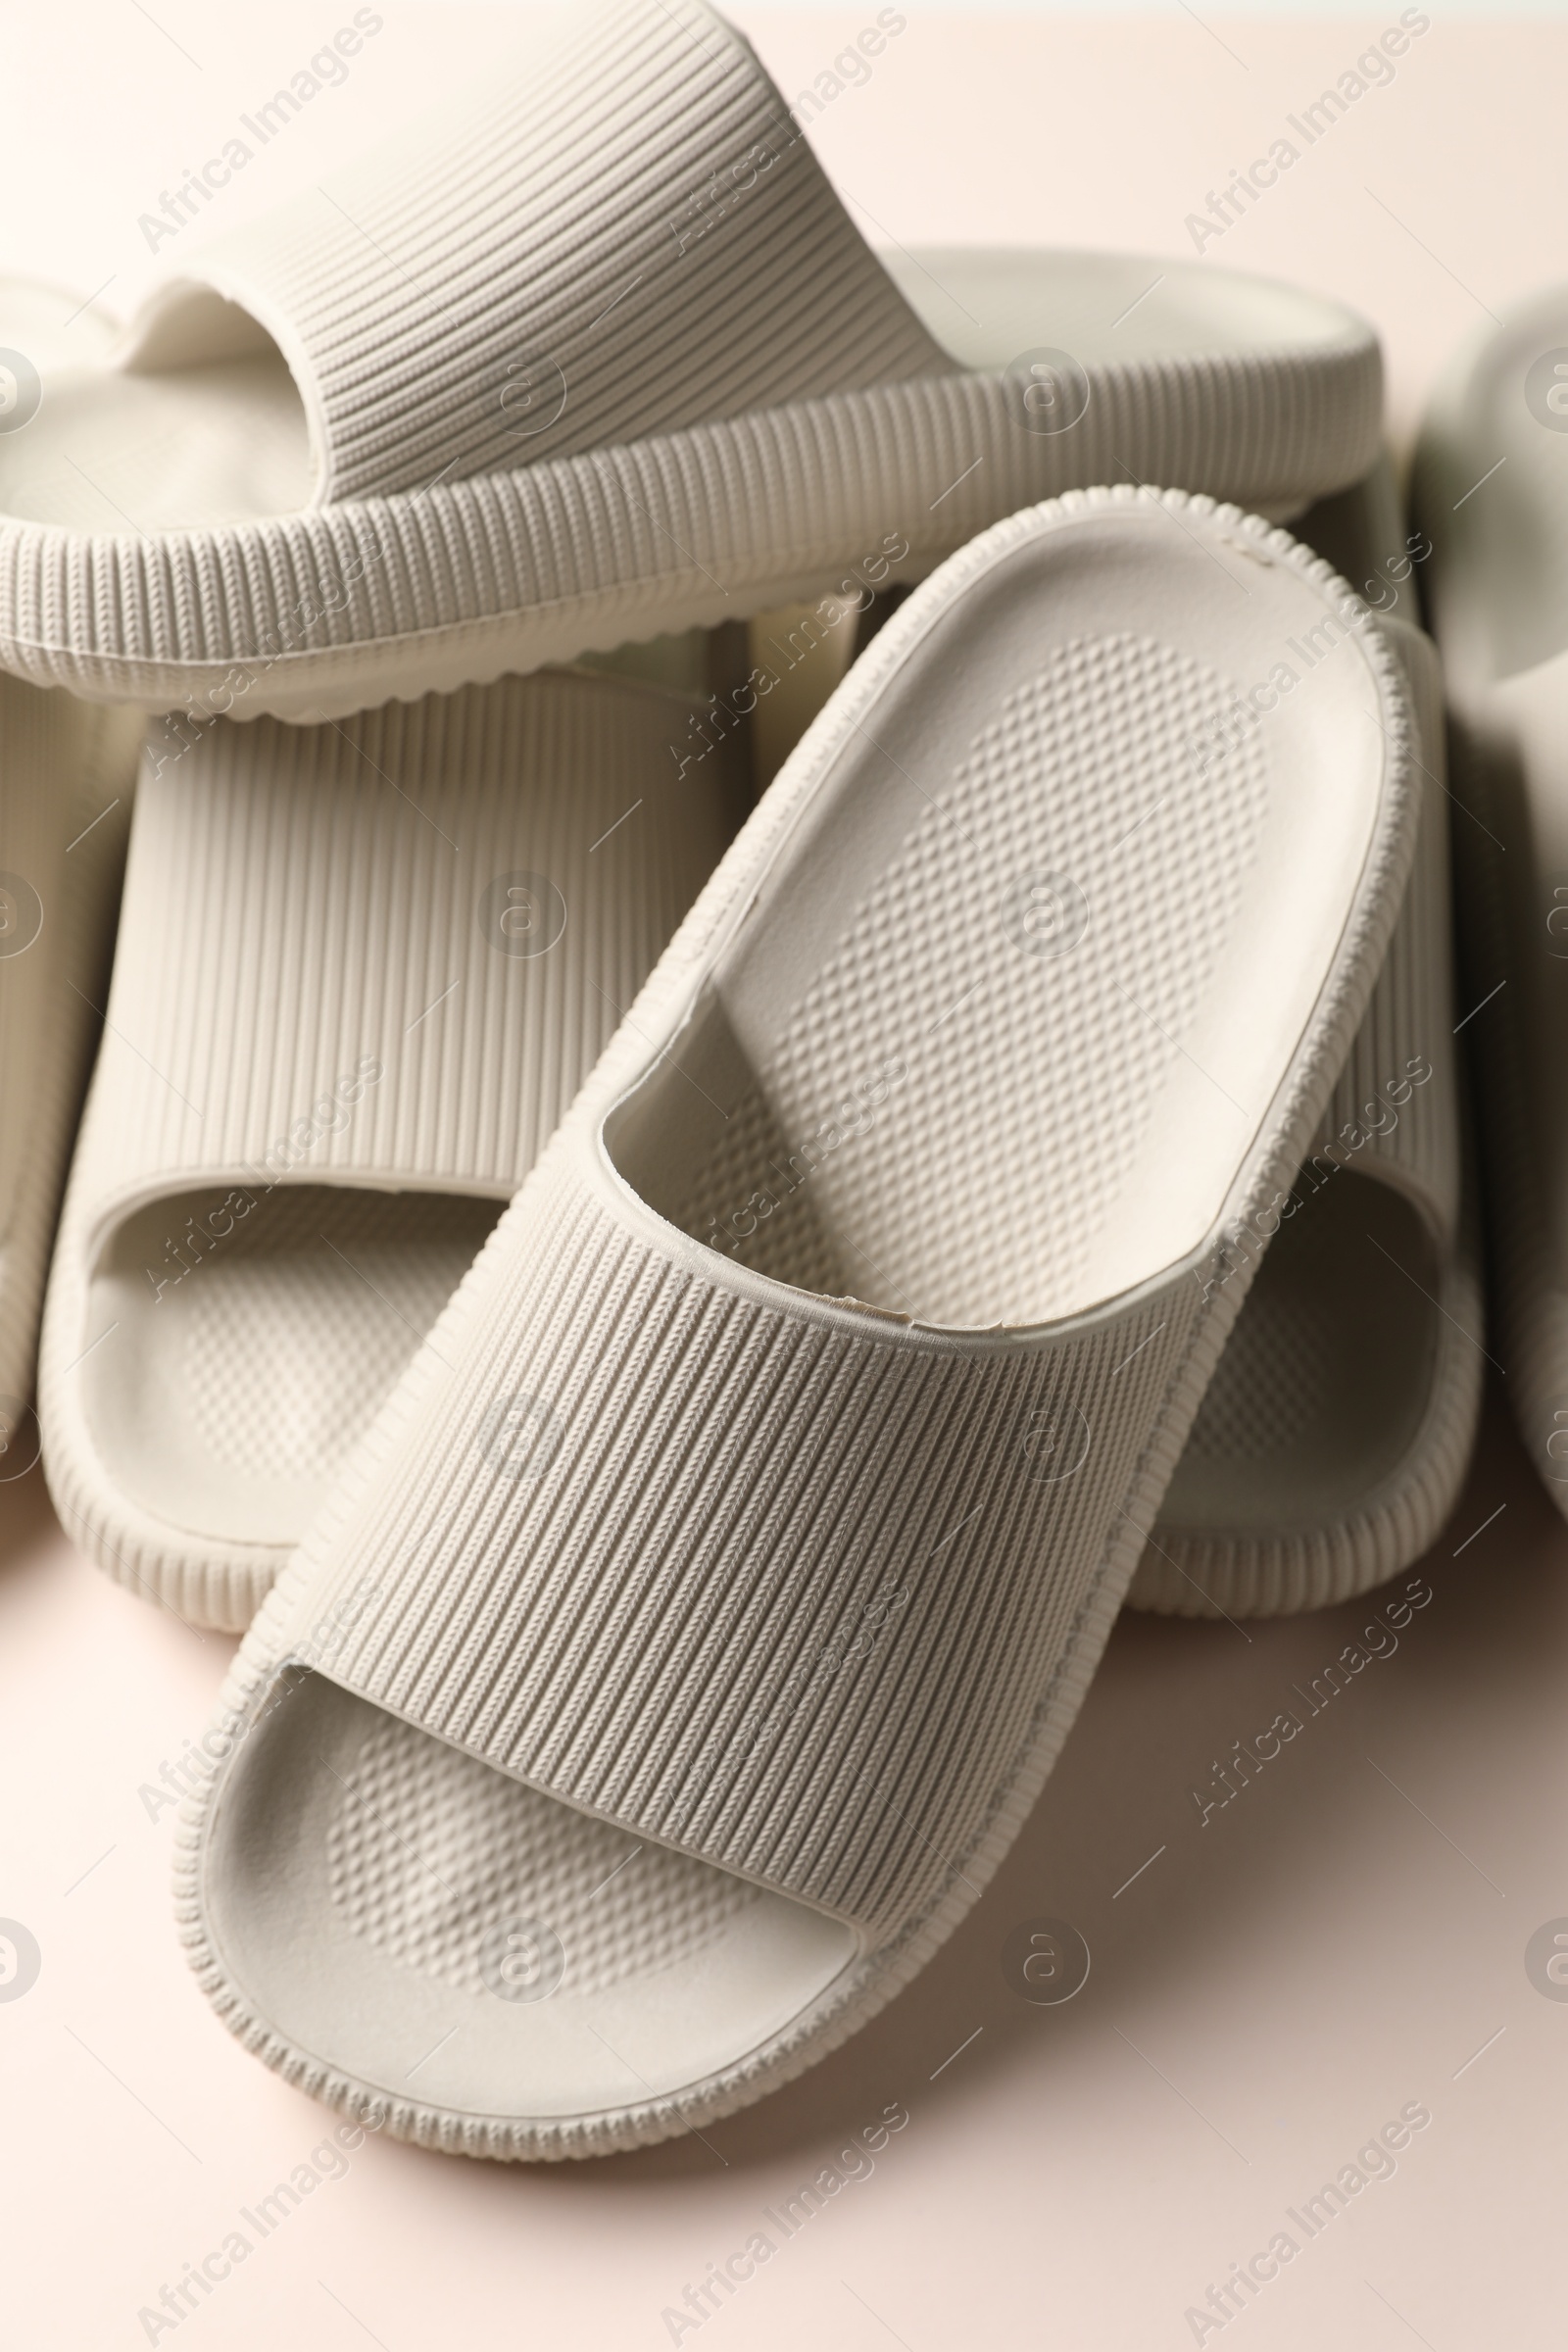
(449, 1935)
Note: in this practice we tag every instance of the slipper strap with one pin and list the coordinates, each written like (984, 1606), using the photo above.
(619, 230)
(788, 1588)
(384, 954)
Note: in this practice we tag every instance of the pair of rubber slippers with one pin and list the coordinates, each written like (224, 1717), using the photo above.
(678, 1581)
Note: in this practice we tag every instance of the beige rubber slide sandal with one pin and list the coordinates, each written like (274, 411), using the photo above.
(1491, 487)
(362, 971)
(597, 353)
(67, 776)
(694, 1626)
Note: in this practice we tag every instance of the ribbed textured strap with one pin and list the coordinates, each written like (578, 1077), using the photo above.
(385, 953)
(65, 802)
(67, 774)
(619, 231)
(1387, 1119)
(784, 1593)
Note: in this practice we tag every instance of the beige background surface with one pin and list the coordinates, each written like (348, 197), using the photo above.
(1345, 1937)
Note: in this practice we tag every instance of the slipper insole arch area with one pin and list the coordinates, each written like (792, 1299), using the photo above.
(995, 1032)
(245, 1349)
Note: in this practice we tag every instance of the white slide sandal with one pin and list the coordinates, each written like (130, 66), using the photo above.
(1336, 1434)
(698, 1620)
(362, 971)
(1490, 488)
(597, 353)
(67, 776)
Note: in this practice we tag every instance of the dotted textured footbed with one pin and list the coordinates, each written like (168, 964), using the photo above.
(1275, 1379)
(430, 1851)
(299, 1321)
(1033, 956)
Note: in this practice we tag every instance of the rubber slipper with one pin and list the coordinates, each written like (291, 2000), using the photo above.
(362, 971)
(692, 1630)
(1335, 1437)
(609, 358)
(1490, 489)
(67, 775)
